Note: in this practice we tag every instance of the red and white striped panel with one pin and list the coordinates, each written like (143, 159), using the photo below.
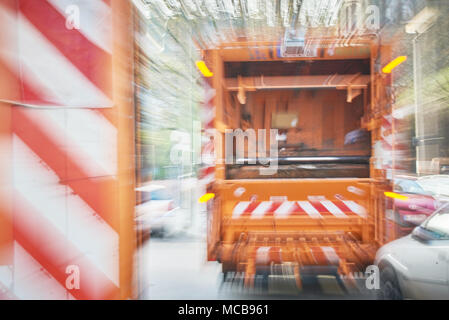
(56, 64)
(386, 132)
(388, 148)
(286, 209)
(64, 159)
(208, 110)
(207, 173)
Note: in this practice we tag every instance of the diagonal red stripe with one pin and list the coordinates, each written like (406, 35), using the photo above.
(296, 210)
(252, 206)
(98, 192)
(26, 90)
(92, 61)
(343, 207)
(272, 208)
(321, 209)
(54, 252)
(270, 211)
(206, 171)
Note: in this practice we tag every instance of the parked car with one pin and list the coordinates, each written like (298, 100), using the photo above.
(412, 211)
(157, 213)
(417, 265)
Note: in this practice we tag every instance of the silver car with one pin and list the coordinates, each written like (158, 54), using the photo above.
(437, 185)
(417, 266)
(158, 213)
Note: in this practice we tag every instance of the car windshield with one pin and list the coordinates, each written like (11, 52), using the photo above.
(436, 184)
(438, 223)
(162, 194)
(409, 186)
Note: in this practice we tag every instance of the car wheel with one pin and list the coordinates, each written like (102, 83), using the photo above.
(158, 233)
(389, 287)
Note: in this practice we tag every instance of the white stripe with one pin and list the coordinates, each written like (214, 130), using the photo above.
(6, 276)
(65, 210)
(284, 209)
(95, 20)
(9, 48)
(32, 282)
(333, 209)
(263, 255)
(209, 93)
(240, 208)
(8, 41)
(92, 133)
(331, 255)
(261, 209)
(83, 135)
(309, 209)
(42, 63)
(383, 130)
(388, 139)
(356, 208)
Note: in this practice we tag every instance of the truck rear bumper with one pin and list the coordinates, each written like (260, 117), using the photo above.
(303, 254)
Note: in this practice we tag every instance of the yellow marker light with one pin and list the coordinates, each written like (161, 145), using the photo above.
(393, 64)
(206, 197)
(201, 65)
(395, 195)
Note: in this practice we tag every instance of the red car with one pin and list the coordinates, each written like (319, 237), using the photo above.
(414, 208)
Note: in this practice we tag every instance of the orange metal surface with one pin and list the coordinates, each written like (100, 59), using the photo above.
(123, 113)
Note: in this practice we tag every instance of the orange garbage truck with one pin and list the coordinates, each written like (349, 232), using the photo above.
(298, 188)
